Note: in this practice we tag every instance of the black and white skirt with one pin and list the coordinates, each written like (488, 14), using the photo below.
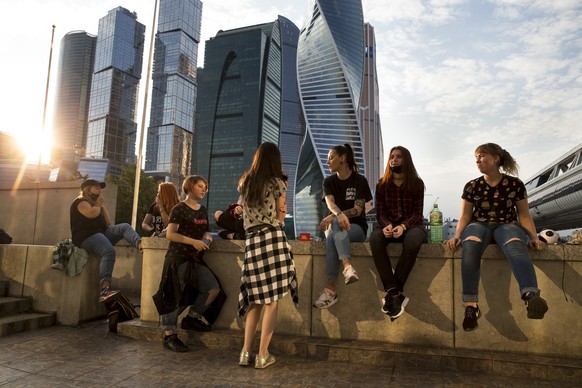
(268, 271)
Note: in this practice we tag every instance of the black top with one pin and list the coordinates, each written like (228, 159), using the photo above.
(191, 223)
(83, 227)
(345, 193)
(157, 221)
(495, 204)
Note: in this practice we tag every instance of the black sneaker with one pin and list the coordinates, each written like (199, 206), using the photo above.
(471, 315)
(174, 344)
(194, 324)
(535, 304)
(394, 303)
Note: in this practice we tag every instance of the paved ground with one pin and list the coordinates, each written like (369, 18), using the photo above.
(90, 356)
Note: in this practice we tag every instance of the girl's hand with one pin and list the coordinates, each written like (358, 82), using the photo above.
(453, 243)
(536, 244)
(343, 222)
(398, 231)
(388, 231)
(326, 222)
(199, 245)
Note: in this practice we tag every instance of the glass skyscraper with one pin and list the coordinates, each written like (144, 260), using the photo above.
(370, 112)
(169, 141)
(247, 95)
(114, 89)
(330, 70)
(77, 58)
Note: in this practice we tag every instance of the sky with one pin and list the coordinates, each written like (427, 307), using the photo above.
(453, 74)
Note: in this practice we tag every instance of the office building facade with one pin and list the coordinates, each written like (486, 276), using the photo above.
(330, 68)
(73, 89)
(171, 129)
(370, 112)
(247, 96)
(112, 125)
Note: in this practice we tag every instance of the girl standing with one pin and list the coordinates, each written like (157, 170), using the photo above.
(268, 271)
(186, 275)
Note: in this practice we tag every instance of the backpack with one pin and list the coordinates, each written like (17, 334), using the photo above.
(5, 237)
(119, 309)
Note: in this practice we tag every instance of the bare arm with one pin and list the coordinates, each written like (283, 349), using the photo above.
(146, 224)
(528, 224)
(173, 235)
(464, 220)
(281, 208)
(93, 211)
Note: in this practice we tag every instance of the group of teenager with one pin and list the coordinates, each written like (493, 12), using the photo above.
(494, 208)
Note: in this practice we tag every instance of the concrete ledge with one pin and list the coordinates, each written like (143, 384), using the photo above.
(73, 299)
(558, 369)
(432, 318)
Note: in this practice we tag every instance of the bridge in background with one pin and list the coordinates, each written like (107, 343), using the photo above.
(555, 193)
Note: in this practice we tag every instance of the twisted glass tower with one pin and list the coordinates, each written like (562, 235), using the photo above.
(330, 69)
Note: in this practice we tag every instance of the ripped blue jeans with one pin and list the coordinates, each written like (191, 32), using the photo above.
(515, 251)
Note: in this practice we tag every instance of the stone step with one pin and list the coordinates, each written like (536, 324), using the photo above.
(10, 305)
(564, 370)
(25, 322)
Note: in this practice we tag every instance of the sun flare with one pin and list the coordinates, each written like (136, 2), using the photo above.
(36, 143)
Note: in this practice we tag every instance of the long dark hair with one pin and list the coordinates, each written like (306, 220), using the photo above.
(410, 178)
(347, 151)
(506, 161)
(265, 169)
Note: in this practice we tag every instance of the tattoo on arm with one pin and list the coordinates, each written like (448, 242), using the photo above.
(335, 210)
(356, 210)
(351, 212)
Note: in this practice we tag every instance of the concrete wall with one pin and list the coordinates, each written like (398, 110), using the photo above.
(38, 213)
(433, 316)
(435, 313)
(74, 299)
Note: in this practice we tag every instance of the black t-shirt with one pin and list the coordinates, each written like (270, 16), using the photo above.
(495, 204)
(157, 221)
(191, 223)
(345, 193)
(83, 227)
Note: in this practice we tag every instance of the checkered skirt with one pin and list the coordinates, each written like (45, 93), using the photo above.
(268, 271)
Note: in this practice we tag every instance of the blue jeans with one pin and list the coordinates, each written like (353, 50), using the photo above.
(337, 245)
(515, 251)
(206, 282)
(102, 245)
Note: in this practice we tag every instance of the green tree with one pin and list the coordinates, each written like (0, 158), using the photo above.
(148, 189)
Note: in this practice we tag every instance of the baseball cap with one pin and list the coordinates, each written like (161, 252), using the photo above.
(92, 182)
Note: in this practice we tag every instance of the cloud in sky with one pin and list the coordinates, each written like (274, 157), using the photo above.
(452, 73)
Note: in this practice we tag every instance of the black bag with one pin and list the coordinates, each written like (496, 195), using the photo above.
(5, 237)
(163, 305)
(165, 299)
(119, 309)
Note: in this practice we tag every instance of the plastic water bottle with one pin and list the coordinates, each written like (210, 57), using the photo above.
(436, 225)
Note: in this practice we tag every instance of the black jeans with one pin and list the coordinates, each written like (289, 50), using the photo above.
(411, 242)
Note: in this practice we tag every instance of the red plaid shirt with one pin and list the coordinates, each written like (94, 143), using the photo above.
(394, 205)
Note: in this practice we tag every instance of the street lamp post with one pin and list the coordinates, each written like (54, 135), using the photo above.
(48, 78)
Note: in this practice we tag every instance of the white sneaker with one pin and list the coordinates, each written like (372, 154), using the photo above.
(350, 275)
(326, 299)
